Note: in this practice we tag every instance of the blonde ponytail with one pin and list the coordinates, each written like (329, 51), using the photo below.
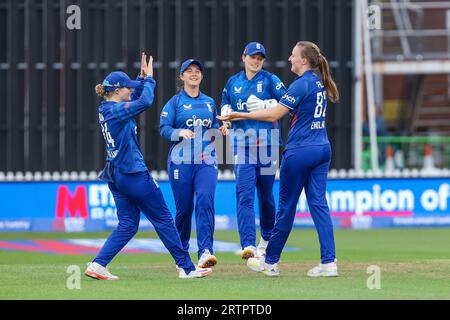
(100, 90)
(330, 85)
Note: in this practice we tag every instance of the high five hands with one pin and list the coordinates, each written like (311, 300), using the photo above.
(146, 67)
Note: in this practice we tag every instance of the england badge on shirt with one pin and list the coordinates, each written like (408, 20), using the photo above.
(259, 86)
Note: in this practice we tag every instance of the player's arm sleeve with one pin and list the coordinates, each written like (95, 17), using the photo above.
(167, 122)
(138, 90)
(129, 110)
(225, 96)
(278, 87)
(215, 123)
(294, 95)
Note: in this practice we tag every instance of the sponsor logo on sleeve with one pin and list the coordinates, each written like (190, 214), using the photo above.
(279, 85)
(288, 98)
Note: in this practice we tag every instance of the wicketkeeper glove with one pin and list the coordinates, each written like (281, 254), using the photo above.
(255, 104)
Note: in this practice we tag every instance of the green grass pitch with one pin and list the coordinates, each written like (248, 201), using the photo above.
(414, 264)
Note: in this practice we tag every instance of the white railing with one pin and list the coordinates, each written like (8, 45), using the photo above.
(226, 175)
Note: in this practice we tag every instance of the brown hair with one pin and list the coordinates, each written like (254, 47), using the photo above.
(100, 91)
(317, 61)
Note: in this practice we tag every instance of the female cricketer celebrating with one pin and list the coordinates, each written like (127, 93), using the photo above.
(187, 120)
(254, 83)
(131, 184)
(306, 158)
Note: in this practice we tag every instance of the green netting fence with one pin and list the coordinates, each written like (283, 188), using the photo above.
(409, 152)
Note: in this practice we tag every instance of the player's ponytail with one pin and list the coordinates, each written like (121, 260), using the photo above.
(317, 61)
(100, 90)
(330, 85)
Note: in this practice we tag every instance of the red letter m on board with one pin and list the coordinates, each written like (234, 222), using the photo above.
(73, 203)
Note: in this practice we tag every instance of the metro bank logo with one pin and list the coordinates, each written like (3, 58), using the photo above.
(75, 204)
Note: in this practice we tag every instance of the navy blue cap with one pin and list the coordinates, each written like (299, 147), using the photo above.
(119, 79)
(188, 62)
(254, 48)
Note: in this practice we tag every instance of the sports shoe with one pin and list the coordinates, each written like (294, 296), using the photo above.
(258, 265)
(207, 260)
(255, 264)
(248, 252)
(197, 273)
(97, 271)
(324, 270)
(271, 270)
(261, 248)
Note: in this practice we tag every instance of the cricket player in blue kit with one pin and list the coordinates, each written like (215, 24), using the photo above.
(133, 188)
(252, 139)
(189, 120)
(306, 158)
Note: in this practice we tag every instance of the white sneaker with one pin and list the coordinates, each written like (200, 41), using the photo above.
(197, 273)
(324, 270)
(255, 264)
(207, 260)
(248, 252)
(271, 270)
(261, 249)
(97, 271)
(258, 265)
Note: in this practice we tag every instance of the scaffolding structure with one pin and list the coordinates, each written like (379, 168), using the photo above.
(412, 39)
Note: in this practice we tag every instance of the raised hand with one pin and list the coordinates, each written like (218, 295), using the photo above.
(149, 65)
(143, 65)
